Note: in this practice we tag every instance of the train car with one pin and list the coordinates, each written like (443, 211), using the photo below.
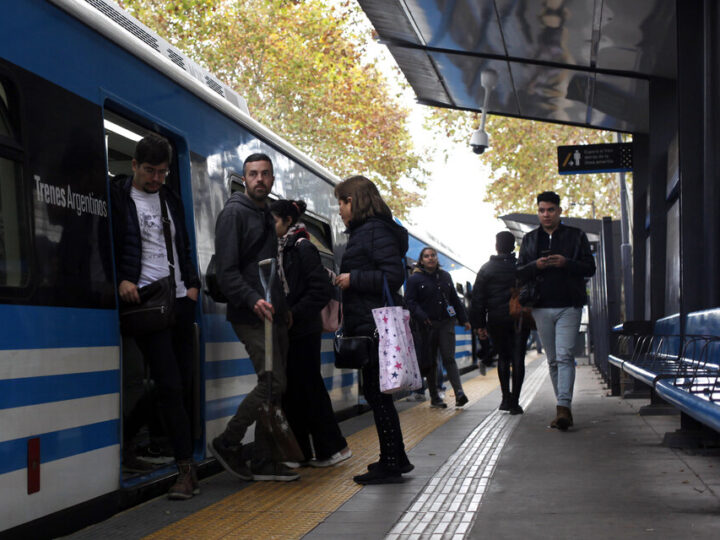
(80, 83)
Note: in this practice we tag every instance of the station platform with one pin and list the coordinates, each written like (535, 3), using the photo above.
(479, 473)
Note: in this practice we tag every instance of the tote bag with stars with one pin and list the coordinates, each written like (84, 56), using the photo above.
(396, 351)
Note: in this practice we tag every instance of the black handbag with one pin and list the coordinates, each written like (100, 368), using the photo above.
(352, 352)
(156, 310)
(529, 293)
(154, 313)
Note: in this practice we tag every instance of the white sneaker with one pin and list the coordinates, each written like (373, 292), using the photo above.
(336, 458)
(291, 464)
(441, 394)
(417, 396)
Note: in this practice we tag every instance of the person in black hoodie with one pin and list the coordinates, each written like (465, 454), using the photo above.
(308, 289)
(374, 251)
(490, 313)
(434, 303)
(244, 235)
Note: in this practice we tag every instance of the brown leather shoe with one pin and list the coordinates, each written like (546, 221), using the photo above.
(184, 485)
(563, 420)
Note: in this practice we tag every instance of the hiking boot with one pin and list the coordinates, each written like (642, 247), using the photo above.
(563, 419)
(378, 475)
(515, 407)
(183, 487)
(270, 471)
(336, 458)
(461, 400)
(405, 468)
(505, 403)
(438, 404)
(230, 457)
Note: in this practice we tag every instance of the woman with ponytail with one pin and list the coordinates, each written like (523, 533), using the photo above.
(308, 289)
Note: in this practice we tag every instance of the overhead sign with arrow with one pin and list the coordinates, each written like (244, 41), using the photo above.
(595, 158)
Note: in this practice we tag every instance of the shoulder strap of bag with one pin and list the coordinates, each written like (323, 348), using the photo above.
(168, 238)
(386, 293)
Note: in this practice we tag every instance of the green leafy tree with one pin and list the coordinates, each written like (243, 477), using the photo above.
(522, 158)
(302, 68)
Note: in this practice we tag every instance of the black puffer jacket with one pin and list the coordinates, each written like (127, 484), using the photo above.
(309, 284)
(491, 292)
(244, 235)
(428, 295)
(375, 249)
(127, 239)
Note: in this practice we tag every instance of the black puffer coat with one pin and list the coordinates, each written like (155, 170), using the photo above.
(491, 292)
(375, 249)
(309, 284)
(127, 239)
(429, 293)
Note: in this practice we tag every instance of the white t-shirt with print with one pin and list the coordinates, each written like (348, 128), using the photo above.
(154, 254)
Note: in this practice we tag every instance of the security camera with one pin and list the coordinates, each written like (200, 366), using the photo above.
(479, 141)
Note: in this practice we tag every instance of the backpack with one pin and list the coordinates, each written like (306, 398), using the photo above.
(330, 314)
(212, 287)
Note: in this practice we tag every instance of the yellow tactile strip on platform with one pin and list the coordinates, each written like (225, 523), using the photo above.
(286, 510)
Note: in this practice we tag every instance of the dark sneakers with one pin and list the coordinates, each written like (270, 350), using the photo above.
(461, 400)
(406, 468)
(438, 404)
(378, 475)
(230, 458)
(505, 403)
(270, 471)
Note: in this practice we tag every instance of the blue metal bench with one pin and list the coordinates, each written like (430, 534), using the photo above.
(684, 370)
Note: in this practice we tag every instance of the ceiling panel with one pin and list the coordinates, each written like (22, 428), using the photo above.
(462, 76)
(554, 31)
(464, 25)
(639, 36)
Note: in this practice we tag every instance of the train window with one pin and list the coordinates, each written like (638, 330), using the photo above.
(235, 182)
(14, 228)
(5, 125)
(319, 232)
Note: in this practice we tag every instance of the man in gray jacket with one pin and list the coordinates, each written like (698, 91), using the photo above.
(244, 235)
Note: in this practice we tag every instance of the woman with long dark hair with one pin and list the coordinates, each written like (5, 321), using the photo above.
(373, 255)
(433, 302)
(308, 289)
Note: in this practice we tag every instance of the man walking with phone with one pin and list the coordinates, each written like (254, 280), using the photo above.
(555, 260)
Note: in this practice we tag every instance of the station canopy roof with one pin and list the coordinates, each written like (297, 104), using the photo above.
(581, 62)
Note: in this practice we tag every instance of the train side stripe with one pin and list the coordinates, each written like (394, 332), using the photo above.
(222, 408)
(221, 369)
(43, 327)
(60, 444)
(34, 390)
(27, 421)
(18, 363)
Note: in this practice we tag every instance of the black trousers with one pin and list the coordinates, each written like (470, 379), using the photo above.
(387, 422)
(510, 344)
(306, 401)
(170, 354)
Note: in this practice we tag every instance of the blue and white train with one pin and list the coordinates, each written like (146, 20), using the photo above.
(80, 83)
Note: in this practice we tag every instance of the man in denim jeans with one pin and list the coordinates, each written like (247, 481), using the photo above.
(558, 259)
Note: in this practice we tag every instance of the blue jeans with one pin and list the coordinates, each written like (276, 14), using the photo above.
(558, 328)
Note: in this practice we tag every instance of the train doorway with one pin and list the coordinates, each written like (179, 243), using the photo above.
(147, 449)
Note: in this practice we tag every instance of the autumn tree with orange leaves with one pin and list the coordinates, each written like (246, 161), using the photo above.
(302, 68)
